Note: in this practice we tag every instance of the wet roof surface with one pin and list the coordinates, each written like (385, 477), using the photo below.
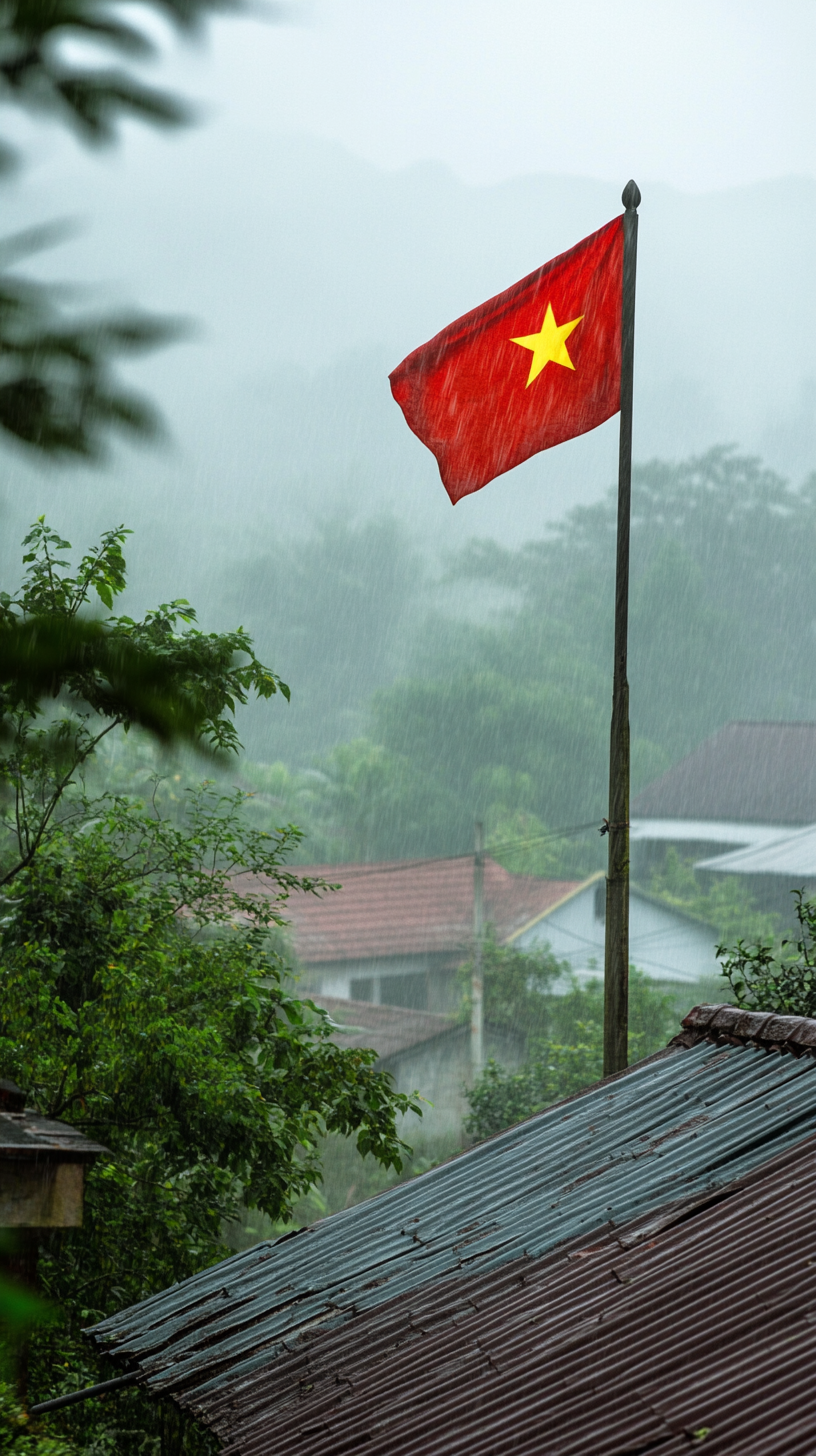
(762, 773)
(702, 1333)
(388, 1029)
(26, 1134)
(410, 907)
(658, 1139)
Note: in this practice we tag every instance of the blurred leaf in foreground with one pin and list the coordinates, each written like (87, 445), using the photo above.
(76, 62)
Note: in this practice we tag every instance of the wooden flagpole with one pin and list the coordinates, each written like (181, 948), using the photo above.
(476, 981)
(616, 962)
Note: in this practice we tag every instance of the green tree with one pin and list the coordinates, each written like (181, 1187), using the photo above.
(459, 728)
(19, 1436)
(141, 998)
(726, 904)
(782, 980)
(536, 997)
(560, 1024)
(517, 989)
(342, 603)
(510, 715)
(499, 1098)
(142, 993)
(170, 676)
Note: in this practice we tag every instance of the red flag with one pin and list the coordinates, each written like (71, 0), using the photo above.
(530, 368)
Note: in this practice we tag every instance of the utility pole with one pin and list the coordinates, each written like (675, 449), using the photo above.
(476, 985)
(616, 963)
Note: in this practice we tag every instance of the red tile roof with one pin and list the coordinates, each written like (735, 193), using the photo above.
(409, 907)
(388, 1029)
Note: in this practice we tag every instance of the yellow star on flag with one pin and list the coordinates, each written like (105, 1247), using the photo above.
(548, 345)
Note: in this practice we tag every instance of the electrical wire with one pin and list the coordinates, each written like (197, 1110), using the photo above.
(509, 846)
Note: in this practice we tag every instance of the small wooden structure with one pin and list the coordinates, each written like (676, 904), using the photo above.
(42, 1175)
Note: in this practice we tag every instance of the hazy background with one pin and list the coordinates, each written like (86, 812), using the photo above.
(365, 171)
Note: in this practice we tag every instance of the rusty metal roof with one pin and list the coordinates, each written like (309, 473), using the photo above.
(657, 1139)
(407, 907)
(634, 1340)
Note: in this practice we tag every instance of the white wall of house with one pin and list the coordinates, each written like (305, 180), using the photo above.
(663, 944)
(336, 978)
(424, 982)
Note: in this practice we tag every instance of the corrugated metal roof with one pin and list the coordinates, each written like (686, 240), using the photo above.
(413, 907)
(763, 773)
(793, 855)
(640, 1340)
(388, 1029)
(669, 1131)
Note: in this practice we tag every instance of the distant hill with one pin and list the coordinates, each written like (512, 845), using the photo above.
(313, 273)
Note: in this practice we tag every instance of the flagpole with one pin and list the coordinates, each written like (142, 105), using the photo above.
(616, 962)
(476, 981)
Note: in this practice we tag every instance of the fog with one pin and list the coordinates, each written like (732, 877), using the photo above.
(360, 175)
(311, 273)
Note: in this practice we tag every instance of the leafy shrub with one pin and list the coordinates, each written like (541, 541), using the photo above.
(20, 1436)
(563, 1032)
(501, 1098)
(762, 980)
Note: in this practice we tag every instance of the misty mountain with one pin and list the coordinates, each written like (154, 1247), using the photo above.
(313, 273)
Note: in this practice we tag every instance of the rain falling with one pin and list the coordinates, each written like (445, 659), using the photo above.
(313, 876)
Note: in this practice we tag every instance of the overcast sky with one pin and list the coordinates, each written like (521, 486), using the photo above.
(702, 94)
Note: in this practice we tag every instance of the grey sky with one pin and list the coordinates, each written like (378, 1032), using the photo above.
(702, 94)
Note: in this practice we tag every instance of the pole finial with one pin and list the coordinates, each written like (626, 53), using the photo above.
(630, 196)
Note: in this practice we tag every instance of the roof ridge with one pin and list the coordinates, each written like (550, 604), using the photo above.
(734, 1026)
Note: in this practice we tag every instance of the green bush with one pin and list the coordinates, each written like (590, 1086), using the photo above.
(501, 1098)
(763, 980)
(562, 1032)
(20, 1436)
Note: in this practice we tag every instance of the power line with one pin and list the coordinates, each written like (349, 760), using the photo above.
(509, 846)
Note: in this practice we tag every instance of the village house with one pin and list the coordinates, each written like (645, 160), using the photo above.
(744, 787)
(664, 943)
(397, 933)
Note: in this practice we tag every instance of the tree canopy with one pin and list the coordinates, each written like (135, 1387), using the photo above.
(561, 1024)
(145, 993)
(105, 673)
